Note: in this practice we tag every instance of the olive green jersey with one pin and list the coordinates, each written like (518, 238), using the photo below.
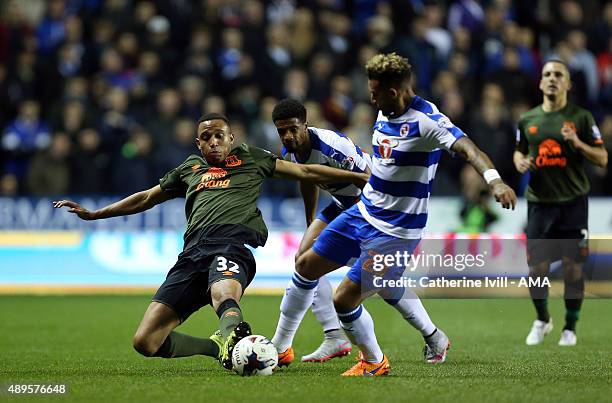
(222, 200)
(559, 174)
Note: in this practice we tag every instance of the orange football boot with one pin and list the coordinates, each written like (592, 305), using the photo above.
(286, 357)
(364, 368)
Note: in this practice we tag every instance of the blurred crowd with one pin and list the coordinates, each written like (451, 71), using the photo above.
(101, 96)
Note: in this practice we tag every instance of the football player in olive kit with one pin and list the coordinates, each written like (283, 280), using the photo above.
(221, 187)
(553, 141)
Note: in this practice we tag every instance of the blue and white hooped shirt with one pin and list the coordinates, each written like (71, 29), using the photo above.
(407, 149)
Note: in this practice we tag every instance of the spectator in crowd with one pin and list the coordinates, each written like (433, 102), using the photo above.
(116, 121)
(262, 132)
(8, 185)
(337, 107)
(72, 120)
(89, 164)
(51, 30)
(435, 33)
(13, 29)
(303, 36)
(49, 172)
(359, 129)
(467, 14)
(604, 66)
(191, 89)
(584, 61)
(181, 145)
(136, 158)
(161, 126)
(23, 137)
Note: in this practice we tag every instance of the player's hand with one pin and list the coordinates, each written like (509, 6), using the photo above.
(75, 208)
(503, 194)
(570, 135)
(524, 164)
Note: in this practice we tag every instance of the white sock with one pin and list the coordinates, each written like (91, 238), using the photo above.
(414, 312)
(298, 297)
(359, 327)
(323, 306)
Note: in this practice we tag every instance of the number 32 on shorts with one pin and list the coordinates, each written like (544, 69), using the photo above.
(224, 264)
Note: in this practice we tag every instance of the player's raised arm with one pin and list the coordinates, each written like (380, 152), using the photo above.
(481, 162)
(318, 174)
(132, 204)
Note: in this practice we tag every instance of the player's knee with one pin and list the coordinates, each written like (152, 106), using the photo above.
(339, 304)
(144, 345)
(572, 272)
(297, 256)
(540, 270)
(303, 267)
(344, 301)
(224, 290)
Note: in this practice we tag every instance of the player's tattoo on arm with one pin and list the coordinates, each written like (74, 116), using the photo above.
(481, 162)
(472, 154)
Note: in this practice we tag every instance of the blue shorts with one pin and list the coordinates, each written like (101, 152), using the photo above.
(329, 213)
(351, 236)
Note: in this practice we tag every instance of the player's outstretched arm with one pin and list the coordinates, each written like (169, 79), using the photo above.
(318, 174)
(481, 162)
(132, 204)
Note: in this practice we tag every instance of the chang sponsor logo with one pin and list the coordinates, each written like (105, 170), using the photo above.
(212, 179)
(550, 154)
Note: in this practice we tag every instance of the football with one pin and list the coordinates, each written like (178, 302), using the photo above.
(254, 355)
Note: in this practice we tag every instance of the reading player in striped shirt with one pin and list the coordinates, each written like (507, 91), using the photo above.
(310, 145)
(409, 136)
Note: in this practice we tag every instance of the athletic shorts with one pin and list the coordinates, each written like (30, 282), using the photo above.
(329, 213)
(555, 231)
(187, 285)
(352, 236)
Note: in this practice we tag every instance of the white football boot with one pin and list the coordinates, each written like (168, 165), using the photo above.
(436, 347)
(568, 338)
(539, 329)
(330, 348)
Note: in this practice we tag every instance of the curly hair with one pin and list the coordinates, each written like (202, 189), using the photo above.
(288, 109)
(389, 68)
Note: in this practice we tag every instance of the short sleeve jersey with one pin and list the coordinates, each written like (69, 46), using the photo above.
(337, 151)
(559, 175)
(225, 196)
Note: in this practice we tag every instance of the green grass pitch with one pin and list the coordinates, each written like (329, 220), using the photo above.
(85, 342)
